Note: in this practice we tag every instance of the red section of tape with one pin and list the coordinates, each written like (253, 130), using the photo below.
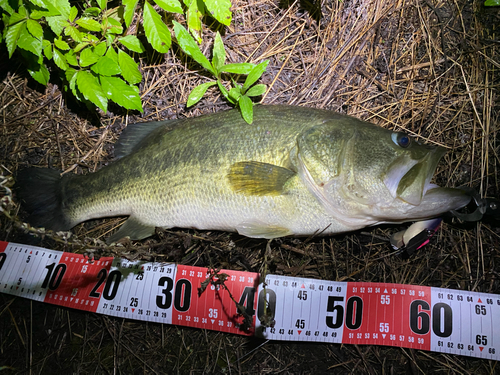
(3, 246)
(76, 281)
(399, 315)
(213, 308)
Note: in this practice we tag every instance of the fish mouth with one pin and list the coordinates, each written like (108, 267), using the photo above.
(409, 179)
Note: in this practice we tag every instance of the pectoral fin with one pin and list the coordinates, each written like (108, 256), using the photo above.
(132, 228)
(258, 229)
(256, 178)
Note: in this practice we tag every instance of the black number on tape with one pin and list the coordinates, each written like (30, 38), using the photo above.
(302, 295)
(442, 327)
(267, 304)
(182, 299)
(339, 309)
(164, 301)
(112, 283)
(480, 309)
(3, 256)
(111, 286)
(54, 276)
(247, 299)
(102, 278)
(481, 340)
(420, 320)
(300, 324)
(354, 312)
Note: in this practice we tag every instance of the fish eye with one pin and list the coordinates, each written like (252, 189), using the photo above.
(401, 139)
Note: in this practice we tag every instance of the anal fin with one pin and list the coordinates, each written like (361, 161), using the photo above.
(132, 228)
(257, 178)
(258, 229)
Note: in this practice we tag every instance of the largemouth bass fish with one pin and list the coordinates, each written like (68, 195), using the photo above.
(294, 171)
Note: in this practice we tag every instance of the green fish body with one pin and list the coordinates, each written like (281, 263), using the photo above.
(294, 171)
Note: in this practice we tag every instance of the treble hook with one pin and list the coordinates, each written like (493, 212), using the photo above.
(485, 206)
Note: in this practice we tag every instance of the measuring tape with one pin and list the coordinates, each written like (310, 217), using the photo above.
(281, 308)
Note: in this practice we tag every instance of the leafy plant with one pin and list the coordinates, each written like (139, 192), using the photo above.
(492, 3)
(91, 45)
(238, 94)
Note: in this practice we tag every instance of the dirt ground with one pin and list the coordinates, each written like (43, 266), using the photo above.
(427, 67)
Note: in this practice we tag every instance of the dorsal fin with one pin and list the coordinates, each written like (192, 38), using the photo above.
(134, 134)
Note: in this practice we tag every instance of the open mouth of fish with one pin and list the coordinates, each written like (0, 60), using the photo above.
(409, 179)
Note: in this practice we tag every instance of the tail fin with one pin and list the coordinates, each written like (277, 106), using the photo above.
(40, 193)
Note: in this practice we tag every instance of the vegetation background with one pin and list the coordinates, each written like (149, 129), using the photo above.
(427, 67)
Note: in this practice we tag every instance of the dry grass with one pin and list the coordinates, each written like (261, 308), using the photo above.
(428, 67)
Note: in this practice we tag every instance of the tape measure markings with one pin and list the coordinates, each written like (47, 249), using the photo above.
(298, 309)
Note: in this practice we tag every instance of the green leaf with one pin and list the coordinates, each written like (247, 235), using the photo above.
(71, 58)
(90, 38)
(57, 24)
(100, 49)
(112, 54)
(255, 74)
(256, 90)
(61, 44)
(89, 24)
(87, 57)
(235, 93)
(60, 60)
(55, 7)
(220, 10)
(41, 75)
(172, 6)
(61, 5)
(91, 90)
(71, 75)
(4, 4)
(29, 43)
(238, 68)
(157, 32)
(115, 13)
(130, 69)
(37, 14)
(73, 12)
(129, 12)
(246, 107)
(16, 23)
(219, 53)
(34, 28)
(48, 5)
(132, 43)
(224, 92)
(120, 92)
(198, 92)
(492, 3)
(189, 46)
(80, 46)
(106, 66)
(113, 26)
(73, 33)
(47, 49)
(102, 3)
(92, 11)
(193, 18)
